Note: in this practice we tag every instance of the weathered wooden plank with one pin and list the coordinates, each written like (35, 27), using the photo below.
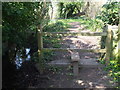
(75, 68)
(77, 33)
(40, 41)
(109, 45)
(40, 46)
(64, 49)
(75, 58)
(118, 43)
(74, 54)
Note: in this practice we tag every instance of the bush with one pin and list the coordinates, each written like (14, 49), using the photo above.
(110, 14)
(70, 9)
(19, 18)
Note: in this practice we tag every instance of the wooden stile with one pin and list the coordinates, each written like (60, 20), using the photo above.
(75, 55)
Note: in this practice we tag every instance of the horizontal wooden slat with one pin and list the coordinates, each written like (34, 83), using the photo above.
(63, 49)
(77, 33)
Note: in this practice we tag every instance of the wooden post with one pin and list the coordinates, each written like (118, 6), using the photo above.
(103, 37)
(109, 41)
(75, 68)
(40, 46)
(103, 42)
(40, 40)
(75, 60)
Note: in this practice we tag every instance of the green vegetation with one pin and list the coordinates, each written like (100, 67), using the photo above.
(110, 14)
(70, 9)
(91, 24)
(55, 69)
(52, 41)
(19, 19)
(54, 27)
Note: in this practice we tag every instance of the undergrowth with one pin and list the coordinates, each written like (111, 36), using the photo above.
(90, 24)
(113, 69)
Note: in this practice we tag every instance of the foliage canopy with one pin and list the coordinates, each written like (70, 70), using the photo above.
(110, 13)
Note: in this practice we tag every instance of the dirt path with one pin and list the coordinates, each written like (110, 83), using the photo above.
(82, 42)
(89, 77)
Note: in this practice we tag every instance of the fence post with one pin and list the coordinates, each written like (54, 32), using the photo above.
(103, 43)
(109, 44)
(103, 37)
(40, 46)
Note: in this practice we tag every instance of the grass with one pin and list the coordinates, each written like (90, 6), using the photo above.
(114, 71)
(91, 24)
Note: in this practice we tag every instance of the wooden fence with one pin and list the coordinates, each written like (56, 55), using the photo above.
(106, 32)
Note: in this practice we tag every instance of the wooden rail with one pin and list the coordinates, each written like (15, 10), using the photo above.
(106, 32)
(76, 33)
(83, 50)
(40, 53)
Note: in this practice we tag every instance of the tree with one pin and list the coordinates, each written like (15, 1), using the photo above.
(71, 9)
(110, 13)
(19, 18)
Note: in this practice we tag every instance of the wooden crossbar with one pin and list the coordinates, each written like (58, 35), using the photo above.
(75, 56)
(64, 49)
(77, 33)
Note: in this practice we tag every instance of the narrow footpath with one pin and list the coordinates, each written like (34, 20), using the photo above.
(91, 72)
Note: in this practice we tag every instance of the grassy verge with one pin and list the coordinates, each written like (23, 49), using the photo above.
(91, 24)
